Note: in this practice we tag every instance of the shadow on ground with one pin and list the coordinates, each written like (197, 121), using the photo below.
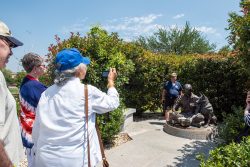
(190, 151)
(157, 123)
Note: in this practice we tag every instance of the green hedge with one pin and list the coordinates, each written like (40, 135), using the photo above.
(145, 84)
(232, 125)
(222, 78)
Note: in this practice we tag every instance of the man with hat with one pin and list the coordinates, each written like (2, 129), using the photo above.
(9, 128)
(171, 91)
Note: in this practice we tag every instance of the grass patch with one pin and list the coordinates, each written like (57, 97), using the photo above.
(14, 90)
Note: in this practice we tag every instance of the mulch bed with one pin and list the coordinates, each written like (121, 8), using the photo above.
(120, 139)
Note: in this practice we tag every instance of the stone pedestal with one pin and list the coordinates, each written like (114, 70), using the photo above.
(191, 132)
(128, 117)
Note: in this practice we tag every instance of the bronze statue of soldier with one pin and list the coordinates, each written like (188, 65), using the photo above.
(189, 115)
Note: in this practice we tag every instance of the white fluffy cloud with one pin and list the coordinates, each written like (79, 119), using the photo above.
(131, 27)
(178, 16)
(208, 30)
(204, 29)
(127, 27)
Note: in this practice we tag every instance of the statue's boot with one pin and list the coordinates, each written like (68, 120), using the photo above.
(175, 118)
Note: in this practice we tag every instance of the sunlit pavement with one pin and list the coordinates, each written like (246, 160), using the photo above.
(151, 147)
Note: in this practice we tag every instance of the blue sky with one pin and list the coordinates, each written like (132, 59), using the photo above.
(36, 23)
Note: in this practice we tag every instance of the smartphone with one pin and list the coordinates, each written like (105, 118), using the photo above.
(105, 74)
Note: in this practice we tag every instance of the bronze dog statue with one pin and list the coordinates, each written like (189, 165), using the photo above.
(206, 109)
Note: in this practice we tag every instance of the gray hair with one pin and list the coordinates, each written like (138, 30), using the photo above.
(31, 60)
(63, 77)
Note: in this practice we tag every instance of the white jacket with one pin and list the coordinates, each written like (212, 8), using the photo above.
(9, 127)
(59, 132)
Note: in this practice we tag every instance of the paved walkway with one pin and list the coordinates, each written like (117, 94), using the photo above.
(151, 147)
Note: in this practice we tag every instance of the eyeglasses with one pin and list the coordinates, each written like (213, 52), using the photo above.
(7, 46)
(7, 42)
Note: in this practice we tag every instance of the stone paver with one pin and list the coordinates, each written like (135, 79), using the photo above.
(151, 147)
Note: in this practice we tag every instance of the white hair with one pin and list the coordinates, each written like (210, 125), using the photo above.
(63, 76)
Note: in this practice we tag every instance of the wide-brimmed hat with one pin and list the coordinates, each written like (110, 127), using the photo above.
(6, 33)
(70, 58)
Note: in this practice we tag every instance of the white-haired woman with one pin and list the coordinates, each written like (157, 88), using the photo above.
(59, 133)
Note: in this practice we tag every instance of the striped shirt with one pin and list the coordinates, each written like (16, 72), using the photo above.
(247, 119)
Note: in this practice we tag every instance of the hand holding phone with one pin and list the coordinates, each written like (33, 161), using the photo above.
(112, 77)
(105, 74)
(112, 74)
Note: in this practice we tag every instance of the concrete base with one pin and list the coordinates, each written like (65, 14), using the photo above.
(191, 132)
(128, 117)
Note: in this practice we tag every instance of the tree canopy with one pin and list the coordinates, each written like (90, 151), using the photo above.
(176, 40)
(239, 26)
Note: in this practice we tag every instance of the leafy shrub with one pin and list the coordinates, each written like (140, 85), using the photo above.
(232, 155)
(239, 26)
(110, 124)
(221, 78)
(8, 76)
(177, 40)
(19, 77)
(232, 124)
(146, 83)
